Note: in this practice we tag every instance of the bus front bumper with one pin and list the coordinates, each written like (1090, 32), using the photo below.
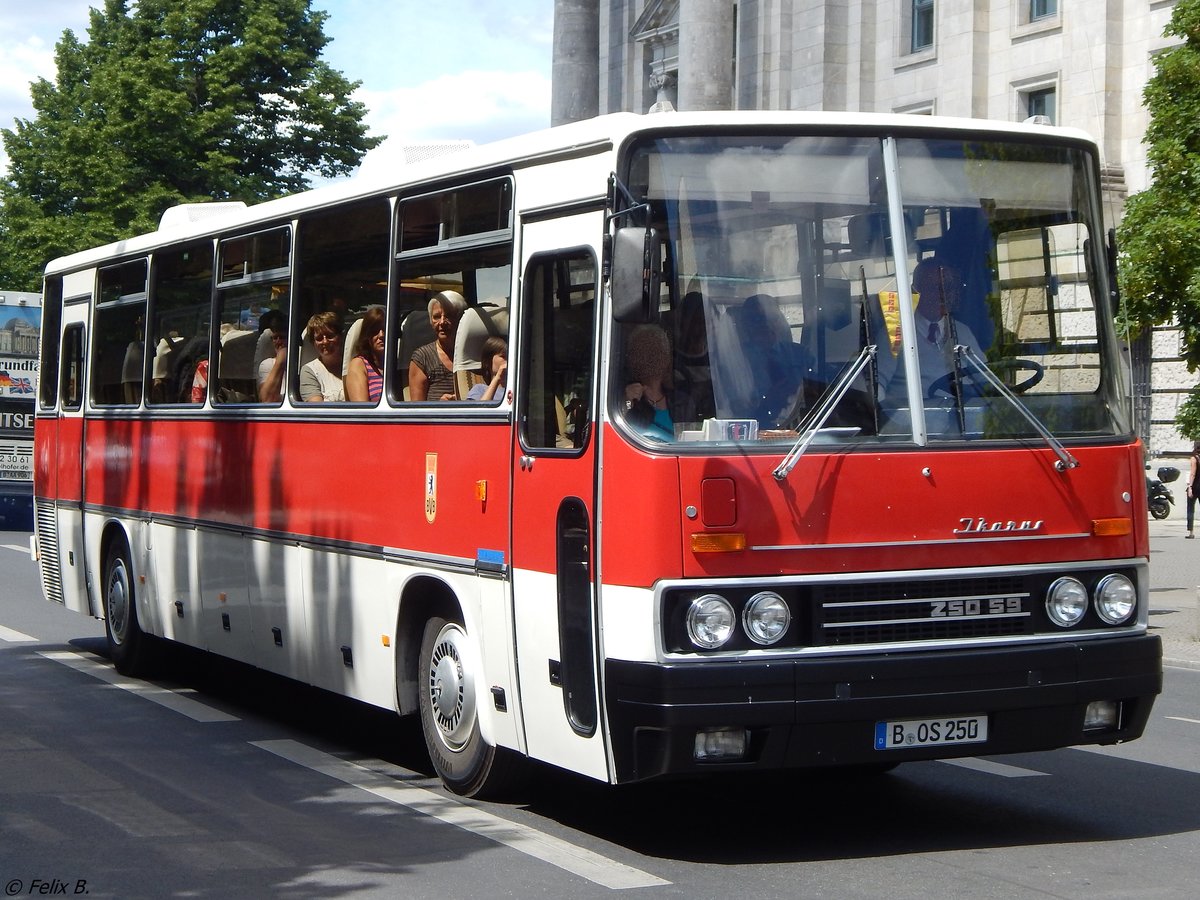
(803, 713)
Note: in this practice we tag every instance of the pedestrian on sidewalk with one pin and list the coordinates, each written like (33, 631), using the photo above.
(1193, 487)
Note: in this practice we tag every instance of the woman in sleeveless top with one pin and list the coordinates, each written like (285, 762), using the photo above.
(364, 376)
(430, 372)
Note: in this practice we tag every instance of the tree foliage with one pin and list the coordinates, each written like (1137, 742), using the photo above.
(173, 101)
(1159, 235)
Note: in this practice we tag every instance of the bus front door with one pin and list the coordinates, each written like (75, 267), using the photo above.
(554, 497)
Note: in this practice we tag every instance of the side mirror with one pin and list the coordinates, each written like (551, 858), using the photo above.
(636, 268)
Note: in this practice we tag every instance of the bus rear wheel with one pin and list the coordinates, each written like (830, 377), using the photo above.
(126, 641)
(465, 763)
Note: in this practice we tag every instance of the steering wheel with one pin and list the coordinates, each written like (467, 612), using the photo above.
(945, 384)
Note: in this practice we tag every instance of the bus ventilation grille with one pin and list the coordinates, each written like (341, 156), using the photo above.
(935, 610)
(47, 537)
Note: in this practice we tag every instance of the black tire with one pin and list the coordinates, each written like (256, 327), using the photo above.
(448, 694)
(127, 644)
(1159, 508)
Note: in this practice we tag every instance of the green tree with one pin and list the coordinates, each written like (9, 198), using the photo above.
(175, 101)
(1159, 235)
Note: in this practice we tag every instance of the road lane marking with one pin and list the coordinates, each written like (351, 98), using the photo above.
(1182, 719)
(172, 700)
(15, 637)
(522, 838)
(992, 768)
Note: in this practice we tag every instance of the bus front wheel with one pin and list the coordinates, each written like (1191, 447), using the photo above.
(126, 642)
(464, 762)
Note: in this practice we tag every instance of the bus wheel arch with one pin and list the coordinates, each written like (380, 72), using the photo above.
(127, 643)
(437, 675)
(422, 599)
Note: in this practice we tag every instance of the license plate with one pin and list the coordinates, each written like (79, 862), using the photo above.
(909, 733)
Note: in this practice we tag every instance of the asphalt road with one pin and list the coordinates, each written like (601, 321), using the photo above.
(221, 781)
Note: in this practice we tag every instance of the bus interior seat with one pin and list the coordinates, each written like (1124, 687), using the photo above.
(308, 350)
(835, 339)
(350, 340)
(415, 331)
(237, 381)
(475, 326)
(572, 344)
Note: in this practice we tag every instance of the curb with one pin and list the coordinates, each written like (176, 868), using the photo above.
(1181, 663)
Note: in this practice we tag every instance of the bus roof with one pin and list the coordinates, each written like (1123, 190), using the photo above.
(9, 299)
(595, 135)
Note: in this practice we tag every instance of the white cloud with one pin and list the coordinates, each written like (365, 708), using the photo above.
(28, 34)
(473, 105)
(389, 47)
(21, 64)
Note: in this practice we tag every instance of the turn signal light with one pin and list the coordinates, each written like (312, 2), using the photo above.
(718, 542)
(1112, 527)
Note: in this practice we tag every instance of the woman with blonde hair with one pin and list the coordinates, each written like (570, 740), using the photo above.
(431, 369)
(321, 379)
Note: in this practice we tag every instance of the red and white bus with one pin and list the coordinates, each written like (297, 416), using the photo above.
(736, 507)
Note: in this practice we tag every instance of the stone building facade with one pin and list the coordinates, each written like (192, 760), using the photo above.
(1082, 63)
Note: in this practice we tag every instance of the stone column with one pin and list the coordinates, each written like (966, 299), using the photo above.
(705, 55)
(575, 70)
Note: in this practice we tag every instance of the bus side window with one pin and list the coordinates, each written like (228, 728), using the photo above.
(180, 310)
(119, 339)
(71, 375)
(52, 315)
(255, 279)
(342, 268)
(557, 350)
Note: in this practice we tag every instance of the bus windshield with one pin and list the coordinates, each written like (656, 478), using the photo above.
(785, 282)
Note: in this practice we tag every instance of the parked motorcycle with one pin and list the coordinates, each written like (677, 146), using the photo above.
(1158, 495)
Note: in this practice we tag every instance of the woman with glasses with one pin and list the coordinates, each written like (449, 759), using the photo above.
(321, 379)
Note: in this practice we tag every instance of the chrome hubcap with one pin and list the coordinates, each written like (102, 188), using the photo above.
(118, 602)
(451, 690)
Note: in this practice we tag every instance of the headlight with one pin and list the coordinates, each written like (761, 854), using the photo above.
(710, 621)
(1116, 598)
(766, 617)
(1066, 602)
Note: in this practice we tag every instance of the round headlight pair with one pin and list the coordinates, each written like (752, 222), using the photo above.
(1067, 600)
(711, 620)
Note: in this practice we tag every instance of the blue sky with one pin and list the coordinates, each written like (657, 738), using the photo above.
(432, 70)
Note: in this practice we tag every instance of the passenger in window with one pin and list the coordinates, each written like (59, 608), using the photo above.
(268, 323)
(164, 363)
(693, 374)
(648, 359)
(200, 381)
(271, 371)
(364, 374)
(778, 365)
(321, 379)
(938, 287)
(494, 357)
(431, 369)
(131, 366)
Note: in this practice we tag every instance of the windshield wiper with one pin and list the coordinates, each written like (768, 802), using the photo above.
(823, 409)
(1065, 459)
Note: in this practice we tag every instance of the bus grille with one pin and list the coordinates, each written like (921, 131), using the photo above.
(47, 538)
(893, 612)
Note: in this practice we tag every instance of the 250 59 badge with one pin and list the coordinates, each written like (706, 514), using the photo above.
(990, 606)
